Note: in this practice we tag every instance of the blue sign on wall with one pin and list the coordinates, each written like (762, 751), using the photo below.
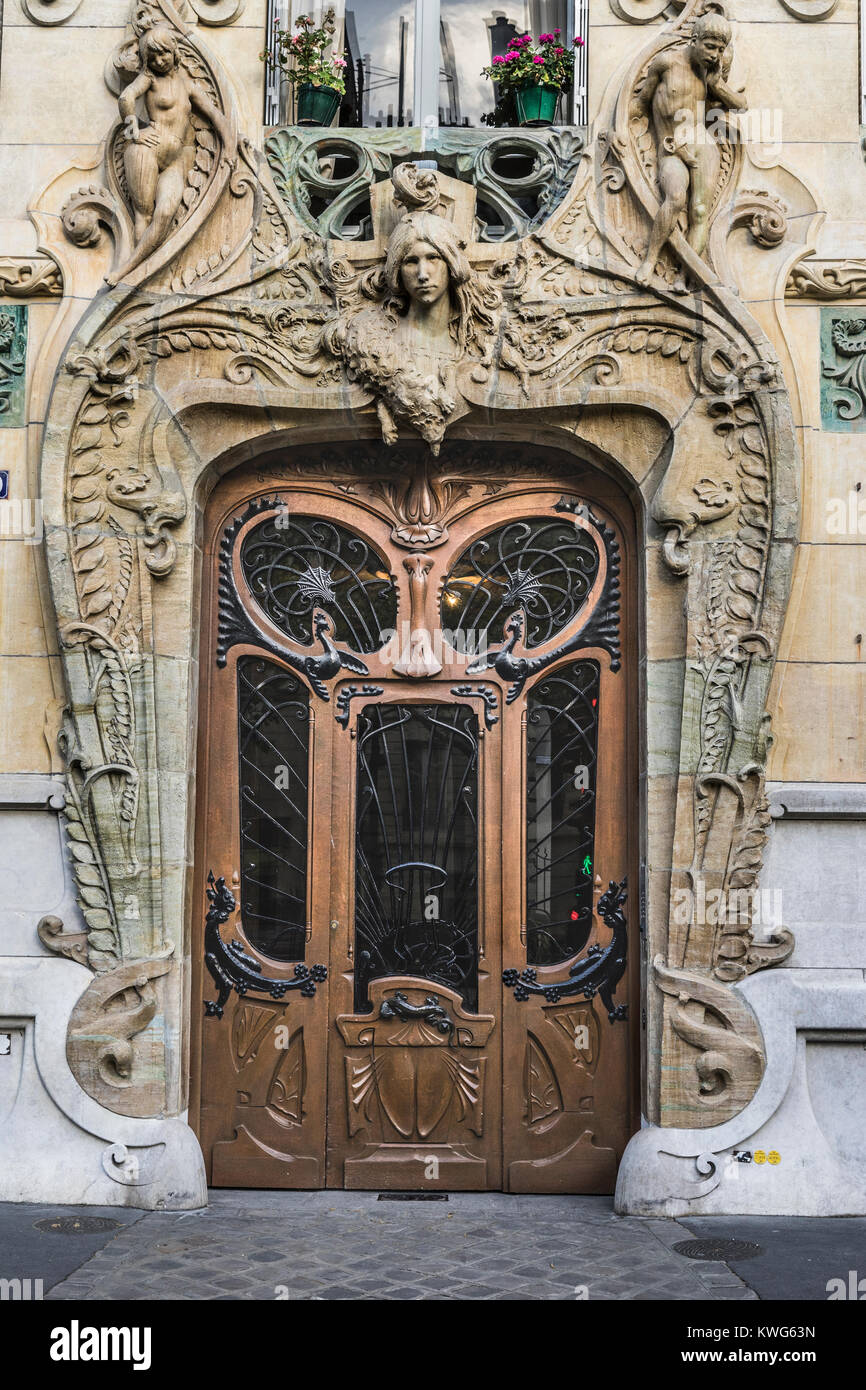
(4, 484)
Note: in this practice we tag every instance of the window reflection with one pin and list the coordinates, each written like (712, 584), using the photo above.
(471, 37)
(378, 39)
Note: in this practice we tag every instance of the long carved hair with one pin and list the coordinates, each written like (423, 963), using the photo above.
(471, 318)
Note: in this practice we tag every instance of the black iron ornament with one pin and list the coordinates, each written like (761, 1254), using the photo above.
(353, 692)
(316, 581)
(481, 692)
(598, 972)
(230, 966)
(431, 1011)
(601, 628)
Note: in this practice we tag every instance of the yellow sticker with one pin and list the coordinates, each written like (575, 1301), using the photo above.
(760, 1156)
(773, 1157)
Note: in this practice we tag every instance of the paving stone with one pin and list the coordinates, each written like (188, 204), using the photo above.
(345, 1246)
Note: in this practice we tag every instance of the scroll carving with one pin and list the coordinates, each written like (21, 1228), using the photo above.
(116, 1008)
(249, 312)
(721, 1036)
(645, 11)
(30, 277)
(826, 280)
(49, 12)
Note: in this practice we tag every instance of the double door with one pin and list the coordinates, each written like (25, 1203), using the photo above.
(413, 969)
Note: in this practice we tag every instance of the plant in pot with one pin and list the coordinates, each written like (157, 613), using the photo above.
(305, 60)
(530, 78)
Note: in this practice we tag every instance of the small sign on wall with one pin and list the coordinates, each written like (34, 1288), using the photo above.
(4, 484)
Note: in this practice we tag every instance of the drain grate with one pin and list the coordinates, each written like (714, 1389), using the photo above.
(412, 1197)
(77, 1225)
(718, 1249)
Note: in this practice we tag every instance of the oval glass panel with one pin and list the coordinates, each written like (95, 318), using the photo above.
(544, 565)
(294, 564)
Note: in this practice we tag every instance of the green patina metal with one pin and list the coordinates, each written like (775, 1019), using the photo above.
(521, 177)
(843, 370)
(13, 356)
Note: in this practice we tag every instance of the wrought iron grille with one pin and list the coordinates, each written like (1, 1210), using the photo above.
(294, 564)
(561, 769)
(545, 566)
(416, 886)
(273, 753)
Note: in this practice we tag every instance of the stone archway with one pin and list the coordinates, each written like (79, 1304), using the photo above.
(244, 331)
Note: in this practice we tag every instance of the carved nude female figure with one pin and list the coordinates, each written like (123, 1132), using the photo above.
(405, 350)
(158, 156)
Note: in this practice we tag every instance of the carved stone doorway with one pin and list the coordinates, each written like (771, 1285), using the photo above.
(416, 858)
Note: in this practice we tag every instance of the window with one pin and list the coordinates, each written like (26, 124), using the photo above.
(418, 62)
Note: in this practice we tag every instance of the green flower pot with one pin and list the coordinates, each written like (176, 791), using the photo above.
(316, 105)
(536, 104)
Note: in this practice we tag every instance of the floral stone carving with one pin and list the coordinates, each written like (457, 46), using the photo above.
(244, 326)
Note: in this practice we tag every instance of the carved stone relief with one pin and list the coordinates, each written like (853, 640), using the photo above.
(826, 280)
(30, 277)
(13, 359)
(251, 323)
(520, 178)
(49, 11)
(645, 11)
(843, 369)
(217, 12)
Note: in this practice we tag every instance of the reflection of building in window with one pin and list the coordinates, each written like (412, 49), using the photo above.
(449, 83)
(376, 94)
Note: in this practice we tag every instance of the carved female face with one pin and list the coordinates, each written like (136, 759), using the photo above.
(159, 51)
(424, 273)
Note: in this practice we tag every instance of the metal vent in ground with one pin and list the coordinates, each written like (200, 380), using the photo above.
(77, 1225)
(718, 1249)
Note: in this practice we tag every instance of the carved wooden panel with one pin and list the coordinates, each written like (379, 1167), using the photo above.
(472, 1031)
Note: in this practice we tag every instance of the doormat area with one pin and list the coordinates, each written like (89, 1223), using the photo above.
(412, 1197)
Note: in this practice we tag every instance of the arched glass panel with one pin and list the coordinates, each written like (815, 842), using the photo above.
(416, 904)
(546, 566)
(273, 753)
(561, 768)
(294, 564)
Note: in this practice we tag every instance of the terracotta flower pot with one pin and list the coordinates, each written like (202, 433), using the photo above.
(316, 105)
(536, 104)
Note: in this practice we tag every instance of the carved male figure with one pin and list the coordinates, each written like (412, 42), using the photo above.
(158, 156)
(679, 86)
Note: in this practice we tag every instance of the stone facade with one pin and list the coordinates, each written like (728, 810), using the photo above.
(682, 315)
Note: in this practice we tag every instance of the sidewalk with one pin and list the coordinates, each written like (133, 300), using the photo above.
(342, 1245)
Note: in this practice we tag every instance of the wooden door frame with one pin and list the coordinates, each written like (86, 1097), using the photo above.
(242, 485)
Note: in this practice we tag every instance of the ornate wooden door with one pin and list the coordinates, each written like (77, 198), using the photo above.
(414, 835)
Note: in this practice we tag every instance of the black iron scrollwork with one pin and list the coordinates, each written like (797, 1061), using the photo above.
(302, 597)
(481, 692)
(351, 692)
(601, 628)
(598, 972)
(230, 966)
(399, 1006)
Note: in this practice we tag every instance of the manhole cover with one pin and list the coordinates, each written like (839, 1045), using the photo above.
(413, 1197)
(718, 1249)
(77, 1225)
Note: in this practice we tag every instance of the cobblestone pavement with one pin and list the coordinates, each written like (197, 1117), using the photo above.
(343, 1245)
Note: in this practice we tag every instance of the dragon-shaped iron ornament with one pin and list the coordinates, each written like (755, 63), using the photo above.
(431, 1011)
(598, 972)
(233, 969)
